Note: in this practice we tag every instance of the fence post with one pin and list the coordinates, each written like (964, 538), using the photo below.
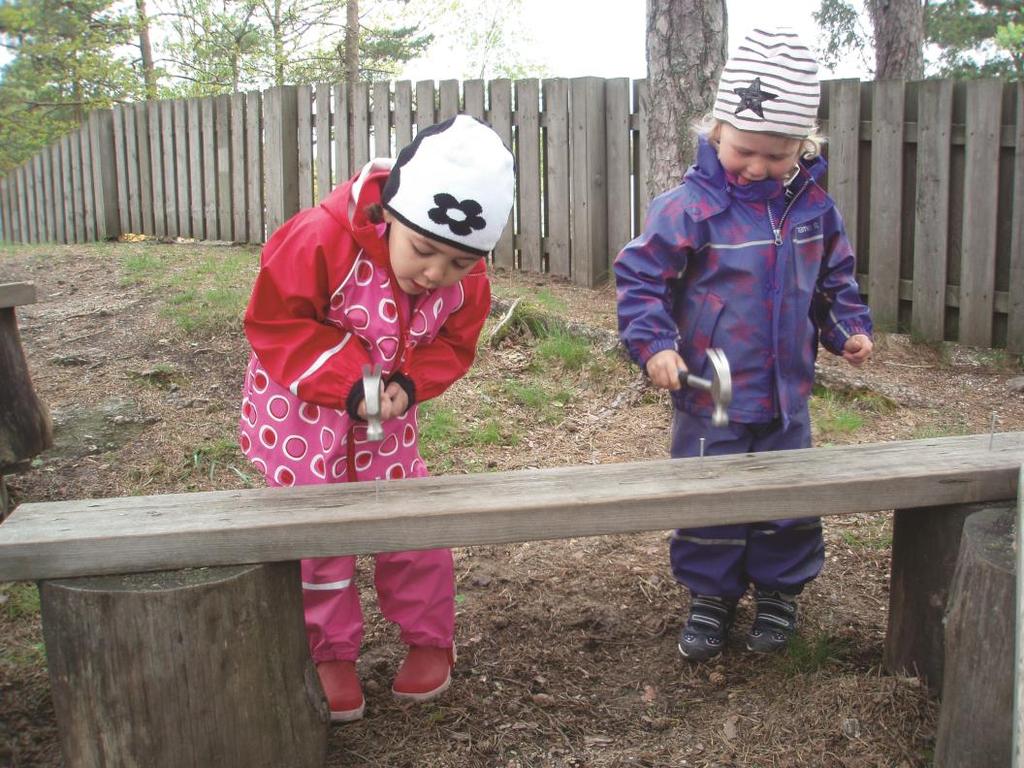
(281, 154)
(588, 156)
(104, 174)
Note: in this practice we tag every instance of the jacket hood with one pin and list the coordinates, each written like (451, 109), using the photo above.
(347, 205)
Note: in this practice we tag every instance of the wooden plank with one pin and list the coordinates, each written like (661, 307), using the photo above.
(618, 160)
(254, 165)
(473, 98)
(1015, 320)
(640, 157)
(360, 126)
(156, 159)
(528, 170)
(30, 200)
(589, 214)
(121, 166)
(403, 114)
(323, 141)
(934, 116)
(225, 215)
(556, 175)
(981, 193)
(57, 184)
(5, 210)
(239, 169)
(183, 165)
(146, 225)
(304, 97)
(81, 234)
(844, 152)
(40, 192)
(69, 190)
(131, 151)
(425, 115)
(208, 120)
(342, 135)
(88, 189)
(170, 169)
(123, 535)
(19, 212)
(886, 209)
(108, 219)
(500, 118)
(49, 199)
(17, 294)
(381, 119)
(1018, 664)
(448, 96)
(280, 155)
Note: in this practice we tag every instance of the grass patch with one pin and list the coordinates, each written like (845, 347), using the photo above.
(140, 267)
(22, 600)
(211, 293)
(805, 656)
(833, 416)
(549, 301)
(564, 349)
(940, 430)
(492, 432)
(224, 453)
(872, 540)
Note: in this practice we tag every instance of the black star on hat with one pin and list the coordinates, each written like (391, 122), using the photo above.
(752, 97)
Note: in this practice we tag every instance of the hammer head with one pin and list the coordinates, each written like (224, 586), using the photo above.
(721, 386)
(371, 398)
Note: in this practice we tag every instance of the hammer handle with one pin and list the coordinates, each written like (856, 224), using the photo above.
(689, 380)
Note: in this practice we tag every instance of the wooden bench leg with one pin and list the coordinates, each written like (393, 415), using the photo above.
(925, 543)
(975, 720)
(184, 669)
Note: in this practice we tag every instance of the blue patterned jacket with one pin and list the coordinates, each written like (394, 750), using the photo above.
(710, 271)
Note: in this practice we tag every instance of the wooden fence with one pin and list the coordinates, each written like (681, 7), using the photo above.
(929, 177)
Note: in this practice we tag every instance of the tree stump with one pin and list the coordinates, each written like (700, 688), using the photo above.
(975, 720)
(925, 545)
(25, 427)
(181, 669)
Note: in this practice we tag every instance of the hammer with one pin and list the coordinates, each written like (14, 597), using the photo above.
(371, 397)
(720, 386)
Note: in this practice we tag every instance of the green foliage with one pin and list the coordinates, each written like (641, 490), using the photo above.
(963, 38)
(977, 38)
(844, 34)
(561, 347)
(805, 656)
(67, 61)
(22, 600)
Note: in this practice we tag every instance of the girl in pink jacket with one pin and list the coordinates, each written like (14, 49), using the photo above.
(387, 271)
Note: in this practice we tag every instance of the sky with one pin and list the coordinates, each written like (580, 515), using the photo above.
(572, 38)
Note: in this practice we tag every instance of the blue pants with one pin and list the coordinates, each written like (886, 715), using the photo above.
(724, 560)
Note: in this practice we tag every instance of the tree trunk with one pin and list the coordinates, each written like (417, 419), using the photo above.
(925, 545)
(184, 669)
(899, 38)
(25, 428)
(146, 48)
(351, 67)
(976, 722)
(686, 50)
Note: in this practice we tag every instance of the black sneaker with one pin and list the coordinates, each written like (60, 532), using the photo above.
(774, 623)
(706, 627)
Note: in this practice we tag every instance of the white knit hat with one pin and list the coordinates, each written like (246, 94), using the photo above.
(770, 84)
(453, 183)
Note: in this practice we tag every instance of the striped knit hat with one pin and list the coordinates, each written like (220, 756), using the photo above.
(770, 85)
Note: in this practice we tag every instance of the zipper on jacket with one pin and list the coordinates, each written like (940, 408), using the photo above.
(777, 230)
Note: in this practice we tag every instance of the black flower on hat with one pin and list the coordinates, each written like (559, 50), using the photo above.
(460, 225)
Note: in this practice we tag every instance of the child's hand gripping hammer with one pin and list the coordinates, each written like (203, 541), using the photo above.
(720, 386)
(371, 398)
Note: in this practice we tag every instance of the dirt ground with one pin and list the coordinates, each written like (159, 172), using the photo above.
(566, 648)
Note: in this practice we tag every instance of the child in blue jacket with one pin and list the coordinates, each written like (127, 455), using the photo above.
(749, 255)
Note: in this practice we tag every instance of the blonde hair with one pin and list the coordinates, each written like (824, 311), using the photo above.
(710, 127)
